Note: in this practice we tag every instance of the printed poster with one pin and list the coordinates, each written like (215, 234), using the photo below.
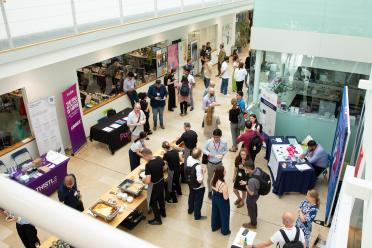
(173, 57)
(161, 61)
(44, 123)
(182, 51)
(268, 105)
(73, 118)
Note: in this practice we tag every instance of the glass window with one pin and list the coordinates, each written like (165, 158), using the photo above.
(192, 2)
(168, 4)
(135, 7)
(14, 126)
(2, 28)
(90, 11)
(27, 17)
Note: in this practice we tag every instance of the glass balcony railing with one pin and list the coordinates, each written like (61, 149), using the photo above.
(24, 22)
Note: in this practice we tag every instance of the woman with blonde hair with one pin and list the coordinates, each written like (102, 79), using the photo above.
(307, 212)
(211, 122)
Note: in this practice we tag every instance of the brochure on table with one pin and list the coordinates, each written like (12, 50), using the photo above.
(44, 123)
(240, 238)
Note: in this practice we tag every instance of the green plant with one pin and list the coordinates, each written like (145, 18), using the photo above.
(243, 39)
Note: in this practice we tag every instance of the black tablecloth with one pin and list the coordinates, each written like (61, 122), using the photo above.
(272, 141)
(290, 179)
(115, 139)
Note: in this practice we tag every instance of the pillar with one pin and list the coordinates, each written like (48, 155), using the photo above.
(257, 72)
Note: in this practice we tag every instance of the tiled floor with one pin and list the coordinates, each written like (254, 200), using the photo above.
(97, 171)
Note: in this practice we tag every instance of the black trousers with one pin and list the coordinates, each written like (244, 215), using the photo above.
(219, 68)
(183, 106)
(252, 208)
(176, 187)
(171, 97)
(146, 127)
(318, 170)
(28, 235)
(239, 86)
(157, 203)
(195, 201)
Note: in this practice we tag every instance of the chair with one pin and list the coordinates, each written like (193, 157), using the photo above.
(21, 157)
(99, 121)
(111, 112)
(3, 168)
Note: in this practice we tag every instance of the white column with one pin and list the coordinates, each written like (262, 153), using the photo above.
(121, 11)
(182, 6)
(257, 72)
(155, 8)
(6, 24)
(73, 12)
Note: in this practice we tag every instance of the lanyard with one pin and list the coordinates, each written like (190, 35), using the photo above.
(214, 144)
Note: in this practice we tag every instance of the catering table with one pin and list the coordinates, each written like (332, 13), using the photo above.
(285, 172)
(118, 136)
(45, 183)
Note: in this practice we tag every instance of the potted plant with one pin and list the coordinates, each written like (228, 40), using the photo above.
(242, 37)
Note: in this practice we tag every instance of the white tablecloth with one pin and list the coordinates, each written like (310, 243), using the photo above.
(278, 154)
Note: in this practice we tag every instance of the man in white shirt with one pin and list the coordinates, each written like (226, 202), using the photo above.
(196, 185)
(136, 121)
(240, 75)
(130, 88)
(224, 75)
(192, 83)
(290, 231)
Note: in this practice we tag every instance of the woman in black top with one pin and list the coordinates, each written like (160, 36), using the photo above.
(146, 110)
(69, 194)
(172, 158)
(240, 175)
(169, 81)
(234, 123)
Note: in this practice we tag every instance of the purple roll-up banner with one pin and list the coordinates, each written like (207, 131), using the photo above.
(73, 118)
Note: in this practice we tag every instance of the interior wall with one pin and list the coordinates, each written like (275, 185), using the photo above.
(51, 80)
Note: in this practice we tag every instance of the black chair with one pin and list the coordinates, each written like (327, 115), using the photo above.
(21, 157)
(111, 112)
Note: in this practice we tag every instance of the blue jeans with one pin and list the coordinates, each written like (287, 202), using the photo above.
(196, 201)
(155, 112)
(224, 85)
(206, 82)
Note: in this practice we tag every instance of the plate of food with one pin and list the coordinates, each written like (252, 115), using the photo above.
(105, 210)
(131, 187)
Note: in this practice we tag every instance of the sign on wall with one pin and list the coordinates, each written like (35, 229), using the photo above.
(44, 123)
(268, 105)
(338, 154)
(73, 118)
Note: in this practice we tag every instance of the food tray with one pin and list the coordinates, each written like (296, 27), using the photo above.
(105, 210)
(131, 187)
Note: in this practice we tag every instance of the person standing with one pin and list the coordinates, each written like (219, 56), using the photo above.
(316, 156)
(130, 88)
(189, 67)
(189, 139)
(234, 113)
(240, 101)
(145, 107)
(155, 180)
(209, 100)
(110, 74)
(158, 95)
(208, 50)
(220, 202)
(69, 194)
(224, 75)
(172, 158)
(240, 74)
(286, 234)
(235, 67)
(203, 56)
(136, 121)
(252, 186)
(240, 175)
(208, 67)
(192, 83)
(247, 139)
(135, 151)
(215, 148)
(27, 233)
(184, 89)
(195, 175)
(169, 81)
(221, 58)
(211, 122)
(307, 212)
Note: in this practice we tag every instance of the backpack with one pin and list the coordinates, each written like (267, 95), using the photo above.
(191, 176)
(296, 243)
(185, 89)
(265, 182)
(255, 145)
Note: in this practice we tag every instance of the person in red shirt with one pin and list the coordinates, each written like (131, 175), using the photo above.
(247, 136)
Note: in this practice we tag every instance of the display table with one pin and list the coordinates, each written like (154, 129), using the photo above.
(45, 183)
(274, 140)
(117, 137)
(285, 172)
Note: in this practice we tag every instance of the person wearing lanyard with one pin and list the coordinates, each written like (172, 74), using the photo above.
(157, 94)
(27, 233)
(240, 74)
(209, 100)
(136, 149)
(136, 121)
(172, 158)
(155, 180)
(215, 148)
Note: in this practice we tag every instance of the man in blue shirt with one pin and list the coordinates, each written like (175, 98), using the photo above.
(240, 100)
(158, 95)
(316, 156)
(215, 148)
